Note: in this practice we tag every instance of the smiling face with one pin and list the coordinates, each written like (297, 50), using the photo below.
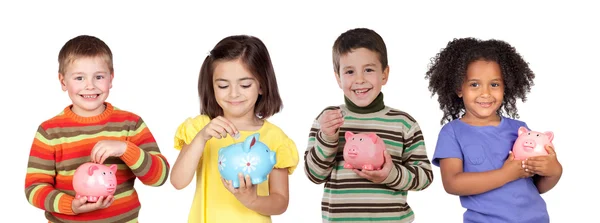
(87, 81)
(236, 89)
(482, 92)
(361, 76)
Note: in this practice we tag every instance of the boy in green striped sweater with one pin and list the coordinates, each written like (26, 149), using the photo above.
(361, 69)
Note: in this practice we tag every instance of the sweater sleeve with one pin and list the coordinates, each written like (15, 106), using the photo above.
(40, 177)
(412, 171)
(144, 158)
(319, 157)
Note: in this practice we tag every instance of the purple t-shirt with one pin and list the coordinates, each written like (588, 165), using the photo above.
(485, 148)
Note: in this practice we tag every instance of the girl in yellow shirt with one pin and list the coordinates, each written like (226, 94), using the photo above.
(238, 92)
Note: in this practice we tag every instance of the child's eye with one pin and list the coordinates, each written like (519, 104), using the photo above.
(495, 85)
(78, 78)
(474, 84)
(349, 72)
(99, 77)
(369, 70)
(222, 87)
(246, 86)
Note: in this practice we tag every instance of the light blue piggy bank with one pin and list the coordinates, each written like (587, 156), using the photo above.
(250, 157)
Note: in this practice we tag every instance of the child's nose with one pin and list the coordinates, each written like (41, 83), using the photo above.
(89, 84)
(234, 92)
(359, 78)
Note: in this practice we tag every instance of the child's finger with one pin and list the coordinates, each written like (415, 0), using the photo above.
(105, 156)
(219, 127)
(228, 125)
(242, 181)
(550, 150)
(248, 181)
(214, 133)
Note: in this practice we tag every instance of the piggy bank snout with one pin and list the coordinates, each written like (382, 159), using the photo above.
(353, 150)
(529, 143)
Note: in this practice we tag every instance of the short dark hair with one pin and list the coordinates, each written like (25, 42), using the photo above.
(448, 70)
(84, 46)
(359, 38)
(254, 54)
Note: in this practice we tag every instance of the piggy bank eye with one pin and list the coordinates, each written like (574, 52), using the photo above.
(103, 173)
(267, 150)
(537, 135)
(352, 138)
(360, 139)
(110, 172)
(529, 133)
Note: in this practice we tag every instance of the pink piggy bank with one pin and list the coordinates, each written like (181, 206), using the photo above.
(93, 180)
(363, 151)
(531, 143)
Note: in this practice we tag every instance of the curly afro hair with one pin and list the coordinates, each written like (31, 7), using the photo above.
(449, 68)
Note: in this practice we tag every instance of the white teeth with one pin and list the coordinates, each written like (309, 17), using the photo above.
(360, 91)
(90, 96)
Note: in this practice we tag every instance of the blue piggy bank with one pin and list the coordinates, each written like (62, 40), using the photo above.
(250, 157)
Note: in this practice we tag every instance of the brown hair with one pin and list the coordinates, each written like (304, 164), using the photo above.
(83, 46)
(359, 38)
(254, 54)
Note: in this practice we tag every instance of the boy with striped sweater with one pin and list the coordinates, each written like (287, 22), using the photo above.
(361, 69)
(91, 130)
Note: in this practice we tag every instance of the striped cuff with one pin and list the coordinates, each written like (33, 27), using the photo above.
(65, 204)
(393, 176)
(131, 154)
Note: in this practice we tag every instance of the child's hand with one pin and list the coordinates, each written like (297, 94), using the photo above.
(515, 168)
(246, 193)
(81, 206)
(546, 165)
(330, 122)
(107, 148)
(218, 127)
(378, 176)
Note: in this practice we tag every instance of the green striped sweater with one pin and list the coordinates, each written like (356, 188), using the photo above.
(348, 197)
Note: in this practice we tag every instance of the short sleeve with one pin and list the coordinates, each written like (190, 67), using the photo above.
(447, 146)
(287, 155)
(188, 129)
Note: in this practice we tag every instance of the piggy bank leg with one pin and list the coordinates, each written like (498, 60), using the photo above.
(92, 199)
(348, 166)
(367, 167)
(257, 180)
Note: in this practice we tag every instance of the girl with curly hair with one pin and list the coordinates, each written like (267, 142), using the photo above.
(478, 83)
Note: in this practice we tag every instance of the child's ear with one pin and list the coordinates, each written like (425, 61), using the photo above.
(61, 79)
(338, 79)
(459, 93)
(112, 76)
(384, 77)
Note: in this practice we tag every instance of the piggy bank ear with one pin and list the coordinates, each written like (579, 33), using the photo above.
(249, 142)
(348, 135)
(373, 137)
(113, 167)
(550, 135)
(92, 169)
(522, 130)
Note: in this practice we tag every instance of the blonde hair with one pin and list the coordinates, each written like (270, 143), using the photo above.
(84, 46)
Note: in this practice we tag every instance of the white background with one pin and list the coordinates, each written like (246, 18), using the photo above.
(158, 50)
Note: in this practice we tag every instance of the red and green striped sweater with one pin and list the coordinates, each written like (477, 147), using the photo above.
(65, 141)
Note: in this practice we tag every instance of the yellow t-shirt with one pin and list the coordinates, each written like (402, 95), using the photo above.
(213, 203)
